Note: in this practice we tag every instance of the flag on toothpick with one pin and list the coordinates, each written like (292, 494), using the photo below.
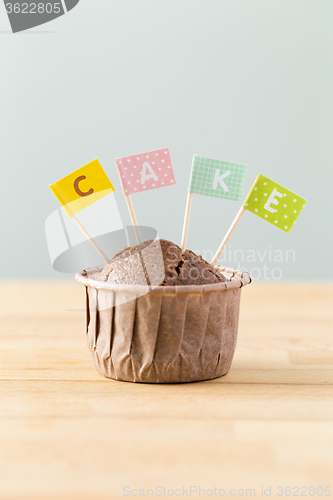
(218, 178)
(221, 179)
(274, 203)
(141, 172)
(81, 188)
(144, 171)
(271, 202)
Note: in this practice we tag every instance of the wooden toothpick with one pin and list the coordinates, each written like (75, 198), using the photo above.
(133, 218)
(186, 220)
(228, 236)
(91, 239)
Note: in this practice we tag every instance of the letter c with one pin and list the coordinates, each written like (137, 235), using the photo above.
(78, 190)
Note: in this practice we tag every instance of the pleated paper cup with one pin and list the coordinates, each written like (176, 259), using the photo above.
(167, 335)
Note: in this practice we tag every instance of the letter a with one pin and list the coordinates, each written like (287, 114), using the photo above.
(144, 176)
(219, 179)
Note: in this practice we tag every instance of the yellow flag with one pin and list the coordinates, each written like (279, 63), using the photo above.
(81, 188)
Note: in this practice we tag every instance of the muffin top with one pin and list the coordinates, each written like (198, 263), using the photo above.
(159, 262)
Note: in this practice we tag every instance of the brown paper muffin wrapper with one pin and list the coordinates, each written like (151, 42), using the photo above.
(167, 335)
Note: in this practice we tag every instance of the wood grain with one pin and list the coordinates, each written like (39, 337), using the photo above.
(68, 433)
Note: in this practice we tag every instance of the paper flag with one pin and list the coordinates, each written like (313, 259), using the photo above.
(221, 179)
(145, 171)
(81, 188)
(274, 203)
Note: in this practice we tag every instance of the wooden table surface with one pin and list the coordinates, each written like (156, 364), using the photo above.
(68, 433)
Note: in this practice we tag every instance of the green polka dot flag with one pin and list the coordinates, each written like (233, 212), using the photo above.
(274, 203)
(221, 179)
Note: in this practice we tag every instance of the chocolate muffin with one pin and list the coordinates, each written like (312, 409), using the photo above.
(159, 262)
(162, 334)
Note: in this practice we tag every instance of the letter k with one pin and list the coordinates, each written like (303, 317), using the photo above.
(219, 179)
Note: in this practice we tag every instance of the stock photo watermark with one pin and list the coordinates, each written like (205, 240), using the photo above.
(260, 264)
(24, 15)
(198, 491)
(70, 250)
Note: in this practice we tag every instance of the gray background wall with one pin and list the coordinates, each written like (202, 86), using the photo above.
(248, 81)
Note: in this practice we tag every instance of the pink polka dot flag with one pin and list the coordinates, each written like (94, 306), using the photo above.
(144, 171)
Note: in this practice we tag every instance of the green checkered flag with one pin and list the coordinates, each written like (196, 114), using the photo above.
(271, 202)
(221, 179)
(274, 203)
